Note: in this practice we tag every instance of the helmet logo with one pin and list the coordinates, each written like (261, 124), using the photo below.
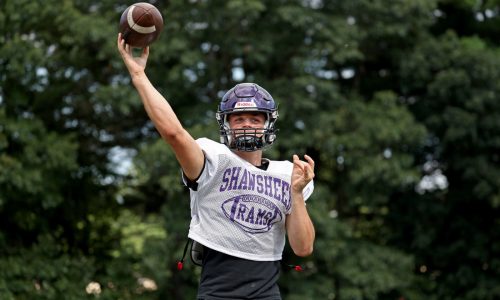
(245, 104)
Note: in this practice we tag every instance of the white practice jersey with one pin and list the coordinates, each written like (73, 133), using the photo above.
(239, 209)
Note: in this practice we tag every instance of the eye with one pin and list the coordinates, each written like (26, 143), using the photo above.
(235, 120)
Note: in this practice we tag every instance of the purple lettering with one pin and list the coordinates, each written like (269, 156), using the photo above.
(266, 218)
(225, 180)
(250, 216)
(260, 186)
(241, 212)
(243, 182)
(277, 184)
(234, 178)
(270, 221)
(260, 216)
(233, 208)
(285, 192)
(268, 183)
(239, 178)
(251, 181)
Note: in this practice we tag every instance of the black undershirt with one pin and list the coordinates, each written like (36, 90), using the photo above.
(227, 277)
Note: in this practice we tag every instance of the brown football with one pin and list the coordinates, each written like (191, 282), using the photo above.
(141, 24)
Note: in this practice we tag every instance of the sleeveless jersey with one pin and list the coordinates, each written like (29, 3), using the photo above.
(239, 209)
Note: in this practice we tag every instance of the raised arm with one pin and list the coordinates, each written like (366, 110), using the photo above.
(187, 151)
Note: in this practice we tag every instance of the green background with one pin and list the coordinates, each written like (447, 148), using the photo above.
(397, 102)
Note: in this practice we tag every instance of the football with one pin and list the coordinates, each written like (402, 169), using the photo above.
(141, 24)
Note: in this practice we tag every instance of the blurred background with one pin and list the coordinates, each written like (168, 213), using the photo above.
(397, 102)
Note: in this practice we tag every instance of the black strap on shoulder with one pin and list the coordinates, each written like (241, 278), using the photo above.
(193, 184)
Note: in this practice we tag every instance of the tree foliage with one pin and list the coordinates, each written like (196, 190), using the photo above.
(395, 100)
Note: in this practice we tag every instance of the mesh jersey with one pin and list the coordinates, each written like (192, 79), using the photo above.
(239, 209)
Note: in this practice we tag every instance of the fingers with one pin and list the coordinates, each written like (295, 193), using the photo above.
(145, 53)
(122, 46)
(119, 42)
(309, 160)
(300, 163)
(306, 167)
(125, 48)
(297, 163)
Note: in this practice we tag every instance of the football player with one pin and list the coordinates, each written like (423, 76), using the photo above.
(242, 204)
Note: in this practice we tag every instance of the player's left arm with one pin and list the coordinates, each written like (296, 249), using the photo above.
(299, 227)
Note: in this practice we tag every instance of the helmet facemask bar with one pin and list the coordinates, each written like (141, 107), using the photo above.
(248, 139)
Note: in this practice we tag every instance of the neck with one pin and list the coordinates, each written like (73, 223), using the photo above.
(254, 157)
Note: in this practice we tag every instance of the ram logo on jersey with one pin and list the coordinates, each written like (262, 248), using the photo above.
(252, 213)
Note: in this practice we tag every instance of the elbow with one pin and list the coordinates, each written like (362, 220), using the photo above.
(169, 135)
(304, 251)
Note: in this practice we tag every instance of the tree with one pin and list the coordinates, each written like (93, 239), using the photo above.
(453, 82)
(385, 96)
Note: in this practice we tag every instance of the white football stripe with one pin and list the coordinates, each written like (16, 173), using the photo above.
(135, 27)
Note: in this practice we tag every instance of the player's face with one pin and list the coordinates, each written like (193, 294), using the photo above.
(247, 123)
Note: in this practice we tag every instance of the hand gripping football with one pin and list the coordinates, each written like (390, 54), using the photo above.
(141, 24)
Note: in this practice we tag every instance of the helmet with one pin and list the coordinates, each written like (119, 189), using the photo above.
(247, 97)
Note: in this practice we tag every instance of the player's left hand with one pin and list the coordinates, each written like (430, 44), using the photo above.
(302, 173)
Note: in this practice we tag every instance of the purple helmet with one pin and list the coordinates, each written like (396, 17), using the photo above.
(247, 97)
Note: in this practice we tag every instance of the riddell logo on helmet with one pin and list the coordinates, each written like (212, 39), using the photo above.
(245, 104)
